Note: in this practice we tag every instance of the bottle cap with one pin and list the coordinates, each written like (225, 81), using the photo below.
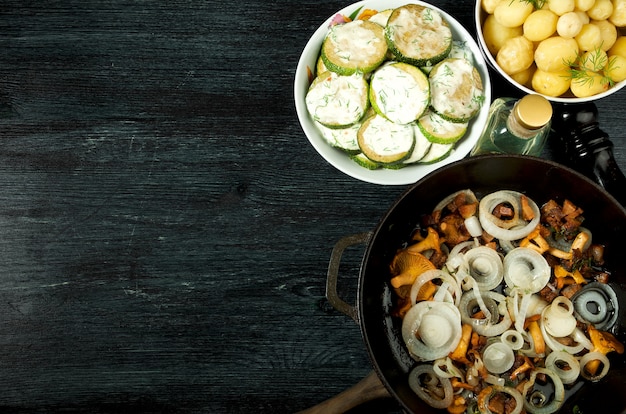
(533, 111)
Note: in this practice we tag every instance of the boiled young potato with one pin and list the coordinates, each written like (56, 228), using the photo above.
(553, 54)
(590, 84)
(557, 37)
(560, 7)
(619, 47)
(551, 83)
(618, 16)
(515, 55)
(569, 24)
(589, 37)
(496, 34)
(616, 68)
(540, 25)
(601, 10)
(512, 13)
(608, 33)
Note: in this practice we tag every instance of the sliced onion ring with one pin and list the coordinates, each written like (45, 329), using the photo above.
(513, 339)
(579, 336)
(596, 303)
(559, 320)
(508, 245)
(472, 224)
(528, 348)
(554, 361)
(526, 269)
(483, 326)
(495, 389)
(484, 264)
(431, 330)
(593, 356)
(520, 307)
(470, 197)
(455, 257)
(555, 345)
(557, 400)
(498, 357)
(427, 276)
(420, 387)
(513, 229)
(445, 368)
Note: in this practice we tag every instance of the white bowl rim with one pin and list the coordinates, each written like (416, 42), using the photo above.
(478, 20)
(340, 160)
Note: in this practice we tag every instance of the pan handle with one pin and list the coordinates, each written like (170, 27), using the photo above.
(333, 273)
(368, 389)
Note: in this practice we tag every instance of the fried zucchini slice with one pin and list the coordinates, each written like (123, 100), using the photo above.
(337, 101)
(355, 47)
(456, 89)
(400, 92)
(385, 142)
(418, 35)
(439, 130)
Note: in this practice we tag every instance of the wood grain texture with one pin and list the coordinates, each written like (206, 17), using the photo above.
(165, 226)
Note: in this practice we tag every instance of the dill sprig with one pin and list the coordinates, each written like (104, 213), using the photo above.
(595, 60)
(585, 68)
(537, 4)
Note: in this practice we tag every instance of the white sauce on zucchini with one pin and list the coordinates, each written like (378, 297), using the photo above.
(353, 42)
(421, 148)
(387, 138)
(437, 152)
(338, 100)
(440, 127)
(453, 89)
(382, 17)
(461, 50)
(400, 97)
(343, 138)
(422, 35)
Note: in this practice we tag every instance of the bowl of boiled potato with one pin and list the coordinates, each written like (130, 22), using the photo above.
(566, 50)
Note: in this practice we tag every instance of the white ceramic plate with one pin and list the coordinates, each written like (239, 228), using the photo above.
(339, 159)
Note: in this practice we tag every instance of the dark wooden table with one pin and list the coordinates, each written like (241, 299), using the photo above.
(165, 226)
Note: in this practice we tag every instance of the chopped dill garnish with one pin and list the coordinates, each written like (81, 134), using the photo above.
(585, 68)
(594, 60)
(537, 4)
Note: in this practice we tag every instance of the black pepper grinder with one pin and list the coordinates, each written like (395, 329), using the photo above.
(584, 147)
